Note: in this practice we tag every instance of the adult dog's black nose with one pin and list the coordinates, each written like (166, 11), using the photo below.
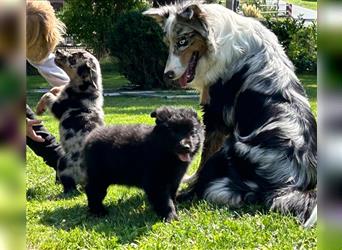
(169, 75)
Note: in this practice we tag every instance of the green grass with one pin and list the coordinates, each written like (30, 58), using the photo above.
(57, 222)
(310, 4)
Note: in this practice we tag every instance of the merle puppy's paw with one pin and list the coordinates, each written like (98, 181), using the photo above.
(41, 107)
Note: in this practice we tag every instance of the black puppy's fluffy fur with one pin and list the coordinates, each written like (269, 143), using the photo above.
(154, 158)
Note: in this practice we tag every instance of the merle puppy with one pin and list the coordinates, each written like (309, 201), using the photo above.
(154, 158)
(78, 107)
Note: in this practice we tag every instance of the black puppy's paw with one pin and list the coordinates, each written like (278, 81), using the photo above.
(171, 216)
(98, 211)
(70, 190)
(69, 185)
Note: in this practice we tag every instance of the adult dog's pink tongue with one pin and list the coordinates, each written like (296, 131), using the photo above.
(183, 80)
(184, 157)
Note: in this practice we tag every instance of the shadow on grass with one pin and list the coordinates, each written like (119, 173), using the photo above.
(39, 193)
(126, 220)
(136, 111)
(247, 209)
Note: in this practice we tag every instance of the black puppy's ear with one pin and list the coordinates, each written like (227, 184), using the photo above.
(161, 114)
(154, 114)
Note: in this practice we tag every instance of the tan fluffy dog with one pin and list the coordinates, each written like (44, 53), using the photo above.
(43, 30)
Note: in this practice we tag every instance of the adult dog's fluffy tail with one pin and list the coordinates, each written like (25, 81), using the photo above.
(302, 204)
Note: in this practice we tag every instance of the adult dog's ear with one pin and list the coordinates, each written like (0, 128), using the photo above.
(158, 14)
(194, 17)
(162, 114)
(191, 11)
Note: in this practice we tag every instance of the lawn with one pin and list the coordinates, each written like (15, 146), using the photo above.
(58, 222)
(310, 4)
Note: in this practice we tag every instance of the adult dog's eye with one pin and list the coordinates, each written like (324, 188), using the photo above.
(182, 43)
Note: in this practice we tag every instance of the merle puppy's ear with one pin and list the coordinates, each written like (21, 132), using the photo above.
(162, 114)
(91, 65)
(92, 71)
(194, 17)
(158, 14)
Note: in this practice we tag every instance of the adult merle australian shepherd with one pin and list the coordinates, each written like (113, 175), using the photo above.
(260, 144)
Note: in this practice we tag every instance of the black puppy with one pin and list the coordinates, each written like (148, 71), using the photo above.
(154, 158)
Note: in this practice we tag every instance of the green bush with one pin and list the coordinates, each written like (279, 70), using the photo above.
(137, 42)
(303, 49)
(91, 21)
(298, 40)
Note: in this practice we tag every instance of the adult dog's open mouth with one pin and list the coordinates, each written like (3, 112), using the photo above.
(190, 71)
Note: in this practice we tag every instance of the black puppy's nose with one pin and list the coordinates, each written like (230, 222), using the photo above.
(185, 144)
(170, 75)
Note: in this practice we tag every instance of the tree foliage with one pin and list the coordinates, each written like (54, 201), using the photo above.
(298, 39)
(91, 21)
(138, 44)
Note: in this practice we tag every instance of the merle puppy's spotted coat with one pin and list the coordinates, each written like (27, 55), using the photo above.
(78, 107)
(154, 158)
